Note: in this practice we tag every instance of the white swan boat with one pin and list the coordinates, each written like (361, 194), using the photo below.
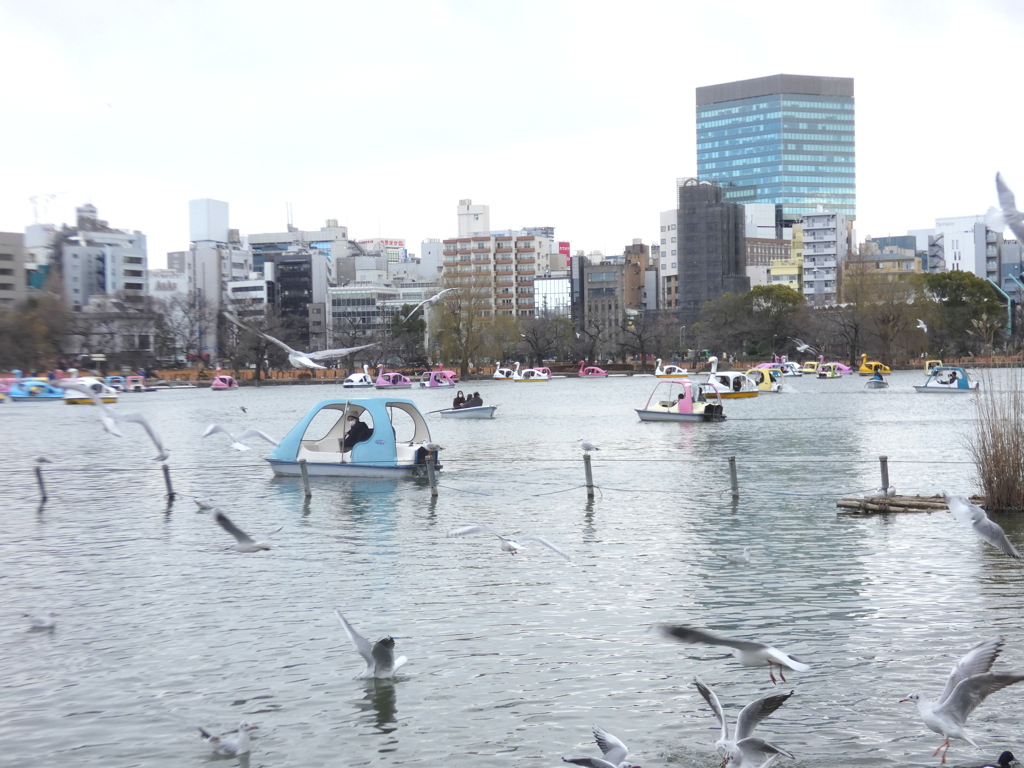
(504, 373)
(359, 380)
(730, 384)
(670, 371)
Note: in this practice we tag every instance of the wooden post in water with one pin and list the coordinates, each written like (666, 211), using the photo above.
(39, 479)
(734, 481)
(167, 481)
(305, 478)
(884, 462)
(432, 472)
(590, 476)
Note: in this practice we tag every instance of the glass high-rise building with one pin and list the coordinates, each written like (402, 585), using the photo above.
(783, 139)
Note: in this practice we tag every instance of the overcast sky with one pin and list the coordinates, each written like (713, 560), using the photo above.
(577, 114)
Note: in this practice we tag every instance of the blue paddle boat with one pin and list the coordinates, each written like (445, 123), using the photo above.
(371, 437)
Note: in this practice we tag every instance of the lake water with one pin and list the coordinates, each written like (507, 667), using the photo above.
(512, 658)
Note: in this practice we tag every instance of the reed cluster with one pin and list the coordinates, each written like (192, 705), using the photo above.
(997, 445)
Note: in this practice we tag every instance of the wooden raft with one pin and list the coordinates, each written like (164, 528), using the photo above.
(879, 505)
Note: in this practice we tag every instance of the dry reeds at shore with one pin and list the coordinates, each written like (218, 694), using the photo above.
(997, 445)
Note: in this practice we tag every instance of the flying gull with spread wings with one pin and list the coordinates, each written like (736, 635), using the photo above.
(110, 417)
(295, 357)
(429, 302)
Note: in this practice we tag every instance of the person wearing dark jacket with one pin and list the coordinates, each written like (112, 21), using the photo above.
(358, 432)
(459, 401)
(475, 401)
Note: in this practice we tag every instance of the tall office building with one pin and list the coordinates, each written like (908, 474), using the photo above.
(782, 139)
(712, 247)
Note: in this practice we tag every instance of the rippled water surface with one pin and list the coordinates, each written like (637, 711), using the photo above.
(512, 658)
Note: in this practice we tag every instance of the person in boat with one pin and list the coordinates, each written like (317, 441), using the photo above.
(877, 376)
(475, 401)
(459, 401)
(358, 432)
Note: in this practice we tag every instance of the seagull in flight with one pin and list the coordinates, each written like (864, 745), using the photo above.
(110, 417)
(1007, 214)
(236, 440)
(587, 446)
(381, 663)
(804, 347)
(245, 542)
(747, 653)
(922, 325)
(432, 301)
(744, 750)
(230, 746)
(296, 358)
(974, 516)
(968, 685)
(507, 544)
(612, 748)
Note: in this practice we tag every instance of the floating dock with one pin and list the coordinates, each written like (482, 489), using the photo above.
(876, 505)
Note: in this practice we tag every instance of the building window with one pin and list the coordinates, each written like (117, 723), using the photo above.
(663, 241)
(662, 227)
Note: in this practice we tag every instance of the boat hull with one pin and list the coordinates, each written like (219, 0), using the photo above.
(347, 385)
(88, 400)
(479, 412)
(736, 395)
(427, 385)
(877, 385)
(330, 469)
(667, 416)
(946, 390)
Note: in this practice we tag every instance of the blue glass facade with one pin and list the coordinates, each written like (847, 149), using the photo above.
(791, 149)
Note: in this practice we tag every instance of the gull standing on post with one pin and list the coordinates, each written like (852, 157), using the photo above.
(1007, 214)
(748, 654)
(588, 446)
(296, 358)
(613, 749)
(236, 440)
(969, 684)
(744, 749)
(380, 656)
(974, 516)
(110, 417)
(429, 303)
(245, 542)
(507, 544)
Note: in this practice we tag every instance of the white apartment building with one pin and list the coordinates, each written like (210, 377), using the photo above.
(826, 241)
(668, 259)
(97, 260)
(969, 246)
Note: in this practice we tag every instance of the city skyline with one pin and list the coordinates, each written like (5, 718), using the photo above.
(385, 121)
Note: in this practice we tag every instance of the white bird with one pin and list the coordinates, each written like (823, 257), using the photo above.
(738, 557)
(803, 347)
(205, 505)
(884, 493)
(380, 656)
(433, 447)
(110, 418)
(744, 750)
(230, 746)
(587, 446)
(507, 544)
(922, 325)
(969, 684)
(432, 301)
(748, 654)
(236, 440)
(46, 620)
(1007, 214)
(612, 748)
(295, 357)
(974, 516)
(245, 542)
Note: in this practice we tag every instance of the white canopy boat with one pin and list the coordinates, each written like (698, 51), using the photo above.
(681, 401)
(948, 379)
